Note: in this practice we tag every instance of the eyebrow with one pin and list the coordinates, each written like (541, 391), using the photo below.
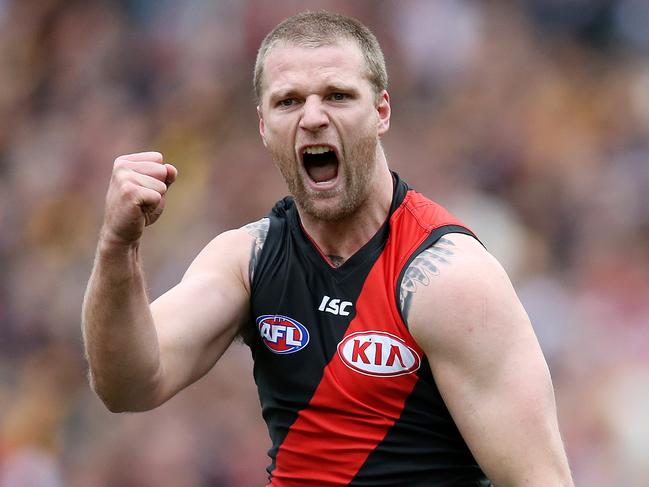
(340, 87)
(329, 88)
(283, 93)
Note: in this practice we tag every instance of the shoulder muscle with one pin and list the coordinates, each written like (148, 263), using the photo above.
(425, 267)
(466, 289)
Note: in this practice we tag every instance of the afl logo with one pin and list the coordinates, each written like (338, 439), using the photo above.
(378, 353)
(282, 334)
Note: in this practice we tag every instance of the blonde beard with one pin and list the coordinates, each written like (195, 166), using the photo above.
(358, 176)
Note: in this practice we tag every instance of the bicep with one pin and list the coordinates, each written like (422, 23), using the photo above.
(490, 370)
(197, 320)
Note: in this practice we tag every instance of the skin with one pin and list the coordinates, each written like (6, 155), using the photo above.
(140, 355)
(328, 100)
(486, 361)
(479, 342)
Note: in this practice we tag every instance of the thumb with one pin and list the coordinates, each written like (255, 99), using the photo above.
(172, 174)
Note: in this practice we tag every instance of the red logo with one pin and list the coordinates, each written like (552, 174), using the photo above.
(378, 353)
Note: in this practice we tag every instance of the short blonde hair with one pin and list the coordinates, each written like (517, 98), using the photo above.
(314, 29)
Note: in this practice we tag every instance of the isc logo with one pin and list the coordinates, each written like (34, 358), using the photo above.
(282, 334)
(378, 353)
(334, 306)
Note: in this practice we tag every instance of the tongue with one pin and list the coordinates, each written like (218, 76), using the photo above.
(322, 172)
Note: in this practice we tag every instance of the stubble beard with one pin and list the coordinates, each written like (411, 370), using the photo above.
(357, 174)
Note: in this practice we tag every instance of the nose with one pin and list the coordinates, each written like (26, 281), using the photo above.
(314, 116)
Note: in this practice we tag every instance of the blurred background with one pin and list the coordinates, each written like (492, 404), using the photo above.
(529, 119)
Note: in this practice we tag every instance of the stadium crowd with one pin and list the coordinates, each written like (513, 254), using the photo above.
(528, 119)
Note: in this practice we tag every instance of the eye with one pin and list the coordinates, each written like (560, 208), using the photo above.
(338, 97)
(286, 102)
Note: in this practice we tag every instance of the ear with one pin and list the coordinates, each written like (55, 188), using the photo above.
(384, 111)
(262, 129)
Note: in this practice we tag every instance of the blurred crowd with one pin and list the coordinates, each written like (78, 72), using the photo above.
(529, 119)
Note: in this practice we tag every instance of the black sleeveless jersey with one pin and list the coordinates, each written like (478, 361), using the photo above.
(346, 392)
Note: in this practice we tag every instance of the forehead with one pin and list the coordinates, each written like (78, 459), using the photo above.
(289, 66)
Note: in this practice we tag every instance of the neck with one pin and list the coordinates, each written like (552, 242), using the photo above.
(340, 239)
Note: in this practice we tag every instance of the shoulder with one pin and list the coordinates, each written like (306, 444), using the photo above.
(258, 228)
(441, 268)
(234, 251)
(454, 287)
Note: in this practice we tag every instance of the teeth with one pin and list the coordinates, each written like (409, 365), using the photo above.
(318, 149)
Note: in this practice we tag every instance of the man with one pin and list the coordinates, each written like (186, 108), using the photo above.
(389, 346)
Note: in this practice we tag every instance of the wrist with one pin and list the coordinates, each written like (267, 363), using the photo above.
(110, 241)
(111, 246)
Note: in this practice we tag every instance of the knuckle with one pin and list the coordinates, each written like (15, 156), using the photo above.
(119, 160)
(121, 166)
(120, 178)
(130, 189)
(118, 171)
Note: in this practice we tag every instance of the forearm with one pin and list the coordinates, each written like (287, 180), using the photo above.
(119, 334)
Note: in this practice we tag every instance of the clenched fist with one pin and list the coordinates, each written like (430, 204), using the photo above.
(136, 195)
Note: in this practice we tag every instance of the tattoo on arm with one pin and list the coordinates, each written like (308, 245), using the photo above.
(425, 265)
(259, 230)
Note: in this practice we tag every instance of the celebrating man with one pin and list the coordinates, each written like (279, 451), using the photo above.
(389, 347)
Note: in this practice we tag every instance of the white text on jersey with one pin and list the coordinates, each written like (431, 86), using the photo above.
(334, 306)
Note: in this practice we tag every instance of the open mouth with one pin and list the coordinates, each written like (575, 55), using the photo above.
(320, 163)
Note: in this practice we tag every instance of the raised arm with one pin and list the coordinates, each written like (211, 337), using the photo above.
(139, 354)
(487, 363)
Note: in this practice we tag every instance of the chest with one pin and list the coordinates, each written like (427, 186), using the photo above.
(315, 326)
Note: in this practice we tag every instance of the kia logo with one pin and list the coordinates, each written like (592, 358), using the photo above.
(378, 354)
